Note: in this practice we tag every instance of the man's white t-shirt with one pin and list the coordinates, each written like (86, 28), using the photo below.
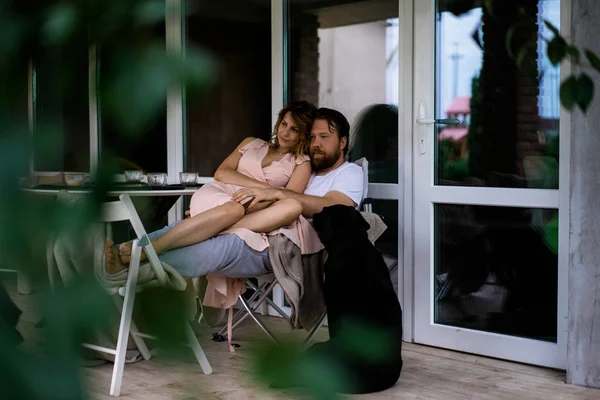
(347, 179)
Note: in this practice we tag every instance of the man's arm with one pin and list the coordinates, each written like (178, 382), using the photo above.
(314, 204)
(310, 204)
(346, 188)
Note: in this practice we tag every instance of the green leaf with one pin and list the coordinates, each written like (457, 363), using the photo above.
(285, 365)
(527, 63)
(574, 53)
(567, 92)
(508, 40)
(135, 95)
(557, 50)
(584, 92)
(198, 69)
(163, 312)
(551, 27)
(593, 59)
(150, 12)
(577, 91)
(60, 24)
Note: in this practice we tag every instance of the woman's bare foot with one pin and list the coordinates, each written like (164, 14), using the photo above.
(125, 253)
(113, 262)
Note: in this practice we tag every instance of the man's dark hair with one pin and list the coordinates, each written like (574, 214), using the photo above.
(336, 122)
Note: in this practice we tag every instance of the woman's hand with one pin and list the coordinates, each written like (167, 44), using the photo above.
(257, 195)
(259, 206)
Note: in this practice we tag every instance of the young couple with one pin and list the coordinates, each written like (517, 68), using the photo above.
(261, 188)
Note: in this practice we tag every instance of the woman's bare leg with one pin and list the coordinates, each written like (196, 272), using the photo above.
(281, 213)
(192, 230)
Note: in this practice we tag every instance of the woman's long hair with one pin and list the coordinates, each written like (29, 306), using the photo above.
(303, 114)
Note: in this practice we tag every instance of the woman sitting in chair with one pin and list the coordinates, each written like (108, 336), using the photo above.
(254, 163)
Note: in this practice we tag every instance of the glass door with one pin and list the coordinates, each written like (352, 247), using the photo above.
(488, 206)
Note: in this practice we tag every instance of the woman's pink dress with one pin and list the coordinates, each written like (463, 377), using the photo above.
(223, 292)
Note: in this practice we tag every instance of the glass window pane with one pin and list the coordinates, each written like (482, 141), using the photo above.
(147, 149)
(496, 269)
(61, 111)
(238, 36)
(344, 55)
(507, 135)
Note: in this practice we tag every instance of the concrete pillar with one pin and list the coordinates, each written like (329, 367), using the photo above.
(583, 354)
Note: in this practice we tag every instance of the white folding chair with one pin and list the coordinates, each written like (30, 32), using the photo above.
(268, 282)
(124, 210)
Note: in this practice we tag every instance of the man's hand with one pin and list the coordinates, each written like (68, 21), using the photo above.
(257, 195)
(188, 214)
(310, 204)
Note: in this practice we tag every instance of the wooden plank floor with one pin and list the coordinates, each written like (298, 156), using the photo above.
(428, 373)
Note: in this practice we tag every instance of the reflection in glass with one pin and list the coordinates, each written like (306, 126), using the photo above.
(508, 135)
(238, 35)
(344, 55)
(146, 150)
(375, 137)
(61, 111)
(497, 269)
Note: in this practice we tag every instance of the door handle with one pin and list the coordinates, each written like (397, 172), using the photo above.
(447, 121)
(441, 121)
(424, 121)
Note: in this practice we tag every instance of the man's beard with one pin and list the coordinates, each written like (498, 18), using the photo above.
(326, 161)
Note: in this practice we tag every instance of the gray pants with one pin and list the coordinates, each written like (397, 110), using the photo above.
(226, 255)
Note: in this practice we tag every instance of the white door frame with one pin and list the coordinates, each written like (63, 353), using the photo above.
(175, 107)
(402, 191)
(405, 166)
(426, 194)
(277, 99)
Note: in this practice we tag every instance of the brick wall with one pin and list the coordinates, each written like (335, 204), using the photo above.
(304, 57)
(528, 112)
(510, 97)
(528, 123)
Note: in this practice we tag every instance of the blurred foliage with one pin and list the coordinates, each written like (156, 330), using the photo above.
(133, 91)
(285, 366)
(456, 170)
(52, 371)
(169, 328)
(577, 89)
(451, 166)
(321, 371)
